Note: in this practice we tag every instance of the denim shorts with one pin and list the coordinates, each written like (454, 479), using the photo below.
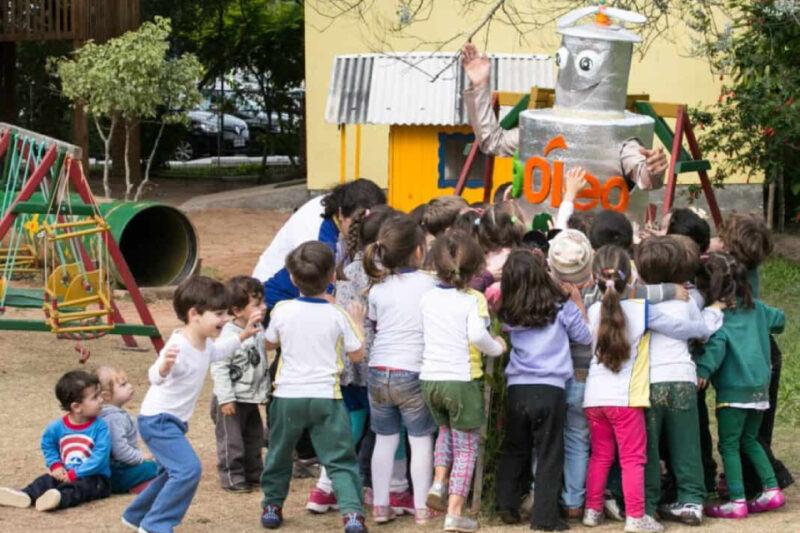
(395, 395)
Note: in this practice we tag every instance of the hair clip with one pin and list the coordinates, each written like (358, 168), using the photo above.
(477, 222)
(621, 275)
(514, 219)
(366, 212)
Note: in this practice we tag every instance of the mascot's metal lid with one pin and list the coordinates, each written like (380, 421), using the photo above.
(602, 28)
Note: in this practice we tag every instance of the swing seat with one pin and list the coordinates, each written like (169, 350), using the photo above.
(59, 280)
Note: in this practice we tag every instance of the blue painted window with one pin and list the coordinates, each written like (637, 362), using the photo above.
(453, 151)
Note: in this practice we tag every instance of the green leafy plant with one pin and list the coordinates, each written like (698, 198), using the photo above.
(130, 78)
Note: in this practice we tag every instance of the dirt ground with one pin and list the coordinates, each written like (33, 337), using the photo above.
(231, 241)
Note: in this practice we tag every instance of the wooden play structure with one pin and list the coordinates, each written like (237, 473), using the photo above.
(681, 160)
(53, 233)
(75, 21)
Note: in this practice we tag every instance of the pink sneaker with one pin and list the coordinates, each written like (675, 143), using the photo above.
(382, 514)
(402, 502)
(735, 509)
(767, 501)
(368, 497)
(320, 501)
(425, 515)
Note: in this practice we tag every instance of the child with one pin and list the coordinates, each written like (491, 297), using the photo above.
(176, 379)
(570, 258)
(395, 360)
(130, 471)
(352, 284)
(454, 322)
(76, 451)
(500, 228)
(314, 336)
(736, 361)
(672, 416)
(241, 384)
(617, 387)
(541, 321)
(747, 238)
(441, 213)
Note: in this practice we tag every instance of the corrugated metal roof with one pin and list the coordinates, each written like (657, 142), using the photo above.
(400, 88)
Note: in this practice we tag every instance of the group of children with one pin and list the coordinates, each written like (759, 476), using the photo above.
(610, 345)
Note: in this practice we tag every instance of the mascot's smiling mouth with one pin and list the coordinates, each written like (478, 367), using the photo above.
(584, 89)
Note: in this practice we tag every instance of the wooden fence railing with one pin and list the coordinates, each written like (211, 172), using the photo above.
(74, 20)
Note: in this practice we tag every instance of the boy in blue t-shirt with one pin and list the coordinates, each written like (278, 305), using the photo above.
(76, 449)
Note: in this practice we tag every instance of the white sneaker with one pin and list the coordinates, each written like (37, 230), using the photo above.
(48, 501)
(592, 518)
(613, 510)
(526, 506)
(129, 525)
(688, 513)
(645, 524)
(14, 498)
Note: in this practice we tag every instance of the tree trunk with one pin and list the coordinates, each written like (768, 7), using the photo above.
(128, 184)
(149, 164)
(107, 149)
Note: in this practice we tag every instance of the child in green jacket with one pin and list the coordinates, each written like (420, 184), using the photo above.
(737, 362)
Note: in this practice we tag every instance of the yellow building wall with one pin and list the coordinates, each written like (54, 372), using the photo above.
(666, 73)
(414, 167)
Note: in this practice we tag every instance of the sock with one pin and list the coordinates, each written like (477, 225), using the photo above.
(324, 483)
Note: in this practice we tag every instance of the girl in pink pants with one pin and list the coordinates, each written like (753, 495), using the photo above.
(618, 385)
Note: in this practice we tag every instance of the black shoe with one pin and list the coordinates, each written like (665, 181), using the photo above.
(240, 487)
(509, 516)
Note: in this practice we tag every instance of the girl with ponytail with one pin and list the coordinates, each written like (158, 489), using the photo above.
(455, 319)
(618, 384)
(395, 396)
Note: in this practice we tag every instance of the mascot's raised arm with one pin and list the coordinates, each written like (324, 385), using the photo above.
(588, 126)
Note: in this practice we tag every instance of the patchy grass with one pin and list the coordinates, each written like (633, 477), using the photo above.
(780, 287)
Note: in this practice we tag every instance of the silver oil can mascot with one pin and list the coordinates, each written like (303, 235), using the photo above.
(588, 125)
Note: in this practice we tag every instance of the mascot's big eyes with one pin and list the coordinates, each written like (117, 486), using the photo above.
(561, 57)
(588, 62)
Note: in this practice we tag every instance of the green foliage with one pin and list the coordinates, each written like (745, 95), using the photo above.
(755, 125)
(780, 286)
(131, 77)
(261, 39)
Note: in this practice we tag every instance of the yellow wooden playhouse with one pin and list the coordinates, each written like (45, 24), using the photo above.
(419, 95)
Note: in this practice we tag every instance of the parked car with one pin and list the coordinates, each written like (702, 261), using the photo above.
(204, 131)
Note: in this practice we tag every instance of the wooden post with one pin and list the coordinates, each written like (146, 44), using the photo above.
(357, 163)
(672, 178)
(694, 149)
(342, 153)
(477, 480)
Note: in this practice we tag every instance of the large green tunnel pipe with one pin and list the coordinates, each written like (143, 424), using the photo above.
(158, 241)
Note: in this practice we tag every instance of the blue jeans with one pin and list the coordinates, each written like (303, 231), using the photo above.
(395, 396)
(162, 505)
(576, 446)
(124, 477)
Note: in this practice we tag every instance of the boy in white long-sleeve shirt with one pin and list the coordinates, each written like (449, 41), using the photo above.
(176, 379)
